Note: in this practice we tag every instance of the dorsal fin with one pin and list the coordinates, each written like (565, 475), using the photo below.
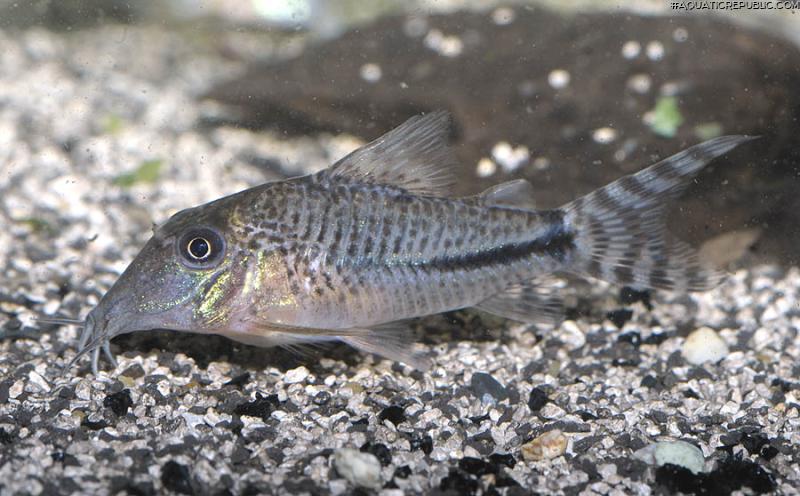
(413, 156)
(514, 194)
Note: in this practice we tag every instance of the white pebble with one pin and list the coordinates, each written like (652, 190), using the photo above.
(655, 50)
(680, 35)
(604, 135)
(508, 157)
(294, 376)
(541, 163)
(558, 78)
(572, 335)
(679, 453)
(704, 345)
(83, 390)
(37, 380)
(361, 469)
(631, 49)
(486, 167)
(503, 16)
(371, 73)
(16, 389)
(193, 420)
(448, 46)
(640, 83)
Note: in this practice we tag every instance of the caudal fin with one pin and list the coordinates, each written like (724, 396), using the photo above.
(620, 229)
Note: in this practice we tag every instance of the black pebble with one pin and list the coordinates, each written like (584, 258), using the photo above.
(632, 337)
(5, 437)
(380, 451)
(135, 371)
(322, 398)
(504, 480)
(537, 399)
(479, 418)
(65, 459)
(483, 383)
(459, 482)
(239, 381)
(119, 402)
(260, 407)
(506, 459)
(768, 452)
(475, 466)
(424, 443)
(730, 475)
(402, 472)
(754, 441)
(628, 295)
(394, 414)
(619, 317)
(176, 477)
(691, 393)
(649, 381)
(656, 338)
(359, 425)
(94, 426)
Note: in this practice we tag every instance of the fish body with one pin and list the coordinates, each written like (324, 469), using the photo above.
(350, 252)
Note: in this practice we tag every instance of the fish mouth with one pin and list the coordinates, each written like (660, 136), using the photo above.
(93, 339)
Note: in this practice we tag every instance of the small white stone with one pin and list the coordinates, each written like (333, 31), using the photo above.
(193, 420)
(16, 389)
(503, 16)
(83, 390)
(541, 163)
(361, 469)
(604, 135)
(704, 345)
(680, 35)
(558, 78)
(631, 49)
(655, 50)
(486, 167)
(295, 376)
(679, 453)
(640, 83)
(371, 73)
(37, 380)
(572, 335)
(448, 46)
(508, 157)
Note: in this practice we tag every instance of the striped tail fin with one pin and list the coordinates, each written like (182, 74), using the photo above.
(620, 229)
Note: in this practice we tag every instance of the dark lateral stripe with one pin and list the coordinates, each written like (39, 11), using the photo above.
(556, 243)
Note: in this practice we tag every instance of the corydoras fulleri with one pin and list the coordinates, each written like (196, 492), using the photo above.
(352, 252)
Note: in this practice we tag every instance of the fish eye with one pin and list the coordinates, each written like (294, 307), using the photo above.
(201, 248)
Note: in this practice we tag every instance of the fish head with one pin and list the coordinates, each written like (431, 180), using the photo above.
(181, 280)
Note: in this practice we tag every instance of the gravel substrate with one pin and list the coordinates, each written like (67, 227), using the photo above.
(99, 139)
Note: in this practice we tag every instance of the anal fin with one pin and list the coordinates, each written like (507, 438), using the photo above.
(535, 301)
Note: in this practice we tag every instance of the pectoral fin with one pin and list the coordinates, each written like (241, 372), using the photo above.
(394, 340)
